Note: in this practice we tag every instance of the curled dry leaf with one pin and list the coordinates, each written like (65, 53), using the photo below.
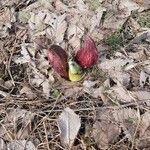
(87, 56)
(58, 59)
(69, 124)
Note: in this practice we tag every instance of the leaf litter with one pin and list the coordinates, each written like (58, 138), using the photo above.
(41, 110)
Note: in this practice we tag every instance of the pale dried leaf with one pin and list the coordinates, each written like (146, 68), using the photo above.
(96, 19)
(3, 31)
(127, 118)
(36, 21)
(9, 2)
(46, 88)
(32, 7)
(125, 114)
(145, 123)
(114, 22)
(17, 114)
(61, 6)
(19, 118)
(144, 131)
(40, 80)
(81, 6)
(57, 29)
(41, 63)
(72, 91)
(120, 77)
(141, 95)
(25, 58)
(105, 130)
(144, 141)
(89, 84)
(8, 16)
(88, 88)
(140, 55)
(144, 77)
(2, 144)
(141, 36)
(21, 145)
(102, 94)
(8, 84)
(28, 92)
(69, 124)
(128, 6)
(23, 16)
(105, 133)
(130, 66)
(74, 35)
(114, 64)
(122, 94)
(46, 4)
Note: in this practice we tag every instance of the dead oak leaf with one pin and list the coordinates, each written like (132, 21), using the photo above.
(105, 129)
(128, 119)
(105, 133)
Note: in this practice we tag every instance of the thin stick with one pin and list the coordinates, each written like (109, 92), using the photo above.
(46, 135)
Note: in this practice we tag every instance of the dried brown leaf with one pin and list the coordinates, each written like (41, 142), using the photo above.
(120, 93)
(105, 133)
(105, 130)
(28, 92)
(128, 119)
(17, 122)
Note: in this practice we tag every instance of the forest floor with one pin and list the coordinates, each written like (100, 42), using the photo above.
(108, 109)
